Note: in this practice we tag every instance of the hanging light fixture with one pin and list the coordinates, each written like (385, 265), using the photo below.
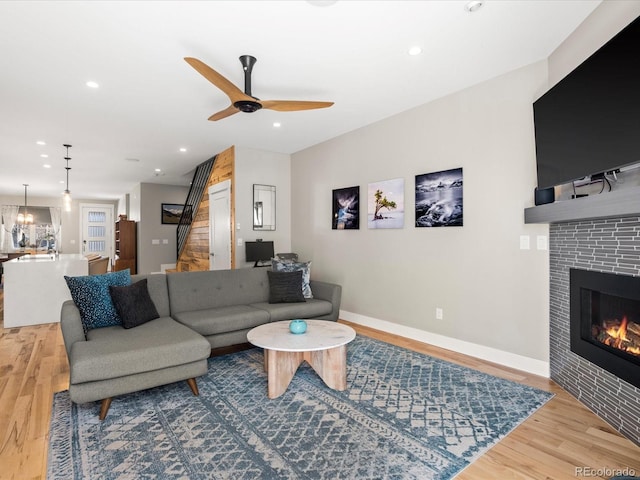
(66, 196)
(26, 217)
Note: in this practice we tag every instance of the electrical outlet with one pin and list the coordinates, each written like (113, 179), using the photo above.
(439, 314)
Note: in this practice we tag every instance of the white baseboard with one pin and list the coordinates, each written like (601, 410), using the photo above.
(512, 360)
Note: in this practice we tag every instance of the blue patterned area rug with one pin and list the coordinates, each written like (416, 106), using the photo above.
(404, 415)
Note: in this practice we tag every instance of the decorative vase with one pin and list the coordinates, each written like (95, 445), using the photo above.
(298, 326)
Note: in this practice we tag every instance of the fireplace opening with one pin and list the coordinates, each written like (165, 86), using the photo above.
(605, 321)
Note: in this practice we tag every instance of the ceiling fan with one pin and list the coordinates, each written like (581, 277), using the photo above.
(245, 101)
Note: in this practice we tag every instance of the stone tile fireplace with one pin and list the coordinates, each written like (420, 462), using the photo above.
(609, 247)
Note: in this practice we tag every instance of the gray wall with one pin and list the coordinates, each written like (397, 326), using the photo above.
(266, 168)
(492, 292)
(149, 200)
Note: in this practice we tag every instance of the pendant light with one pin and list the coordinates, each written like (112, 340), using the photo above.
(66, 196)
(25, 217)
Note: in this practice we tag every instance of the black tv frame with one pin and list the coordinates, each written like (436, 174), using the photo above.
(588, 123)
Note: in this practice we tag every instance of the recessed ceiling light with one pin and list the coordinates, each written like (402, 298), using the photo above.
(473, 6)
(92, 84)
(321, 3)
(61, 181)
(415, 51)
(40, 142)
(277, 124)
(157, 170)
(46, 165)
(44, 155)
(183, 149)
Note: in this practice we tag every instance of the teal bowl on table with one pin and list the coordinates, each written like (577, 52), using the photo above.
(297, 326)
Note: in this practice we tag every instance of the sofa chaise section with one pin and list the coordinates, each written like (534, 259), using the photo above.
(112, 361)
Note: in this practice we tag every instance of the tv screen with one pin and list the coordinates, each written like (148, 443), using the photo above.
(589, 122)
(259, 251)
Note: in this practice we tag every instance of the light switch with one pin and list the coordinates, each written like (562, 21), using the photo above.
(524, 242)
(239, 242)
(541, 241)
(238, 226)
(155, 241)
(165, 241)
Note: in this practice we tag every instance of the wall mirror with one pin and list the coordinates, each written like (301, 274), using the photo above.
(264, 207)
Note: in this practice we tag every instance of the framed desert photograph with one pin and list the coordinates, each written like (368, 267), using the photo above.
(346, 208)
(439, 199)
(171, 213)
(385, 203)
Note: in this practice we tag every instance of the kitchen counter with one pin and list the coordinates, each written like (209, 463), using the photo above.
(34, 287)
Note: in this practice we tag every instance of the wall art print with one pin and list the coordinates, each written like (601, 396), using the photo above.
(385, 201)
(346, 208)
(171, 213)
(439, 199)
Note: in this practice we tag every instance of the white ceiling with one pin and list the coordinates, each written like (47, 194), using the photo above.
(151, 102)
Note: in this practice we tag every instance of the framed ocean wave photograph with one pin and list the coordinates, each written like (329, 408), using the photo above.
(439, 199)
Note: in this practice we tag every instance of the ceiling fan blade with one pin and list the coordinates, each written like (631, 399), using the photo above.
(292, 105)
(233, 92)
(227, 112)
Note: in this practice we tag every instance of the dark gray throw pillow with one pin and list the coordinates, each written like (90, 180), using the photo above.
(133, 304)
(285, 287)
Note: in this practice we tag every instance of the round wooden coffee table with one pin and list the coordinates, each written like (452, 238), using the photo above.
(323, 346)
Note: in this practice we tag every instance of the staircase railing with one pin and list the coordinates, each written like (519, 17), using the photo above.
(191, 204)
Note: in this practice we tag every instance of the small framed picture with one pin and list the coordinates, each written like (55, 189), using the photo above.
(171, 213)
(346, 209)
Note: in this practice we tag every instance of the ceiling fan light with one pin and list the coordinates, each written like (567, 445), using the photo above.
(413, 51)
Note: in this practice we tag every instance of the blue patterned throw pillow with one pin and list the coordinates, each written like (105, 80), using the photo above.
(287, 266)
(91, 295)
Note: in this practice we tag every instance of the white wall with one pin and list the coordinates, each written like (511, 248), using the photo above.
(265, 168)
(493, 293)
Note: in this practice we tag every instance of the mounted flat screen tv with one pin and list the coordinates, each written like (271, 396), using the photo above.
(589, 122)
(258, 251)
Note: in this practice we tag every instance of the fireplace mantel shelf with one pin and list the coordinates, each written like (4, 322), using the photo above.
(619, 203)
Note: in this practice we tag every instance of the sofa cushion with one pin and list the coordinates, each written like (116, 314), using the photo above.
(133, 304)
(91, 295)
(190, 291)
(285, 287)
(114, 352)
(223, 319)
(287, 311)
(288, 266)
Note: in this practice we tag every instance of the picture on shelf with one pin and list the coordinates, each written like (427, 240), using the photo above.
(386, 204)
(439, 199)
(346, 208)
(171, 213)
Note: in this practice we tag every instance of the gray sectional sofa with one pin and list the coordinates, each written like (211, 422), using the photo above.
(199, 311)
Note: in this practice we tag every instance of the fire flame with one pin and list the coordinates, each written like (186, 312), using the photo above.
(618, 337)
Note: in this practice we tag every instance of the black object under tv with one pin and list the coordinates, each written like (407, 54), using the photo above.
(589, 122)
(258, 252)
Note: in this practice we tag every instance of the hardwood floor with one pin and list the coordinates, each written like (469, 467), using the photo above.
(561, 440)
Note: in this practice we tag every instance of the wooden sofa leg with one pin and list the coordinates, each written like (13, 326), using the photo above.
(193, 386)
(104, 407)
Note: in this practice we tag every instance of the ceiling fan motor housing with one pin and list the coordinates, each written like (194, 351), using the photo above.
(247, 106)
